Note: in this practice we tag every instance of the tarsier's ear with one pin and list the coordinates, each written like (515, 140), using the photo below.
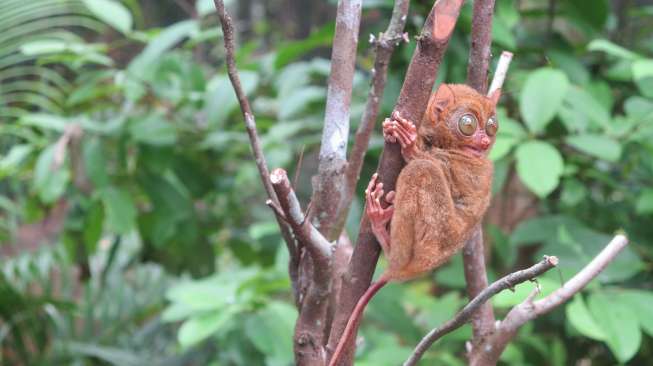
(443, 97)
(495, 96)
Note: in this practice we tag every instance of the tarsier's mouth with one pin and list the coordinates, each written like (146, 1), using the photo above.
(475, 150)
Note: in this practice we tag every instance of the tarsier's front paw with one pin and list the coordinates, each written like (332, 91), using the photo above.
(379, 216)
(403, 131)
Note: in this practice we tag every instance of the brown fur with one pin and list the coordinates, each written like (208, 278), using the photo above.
(443, 193)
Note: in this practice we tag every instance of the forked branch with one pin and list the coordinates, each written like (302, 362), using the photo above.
(506, 282)
(489, 350)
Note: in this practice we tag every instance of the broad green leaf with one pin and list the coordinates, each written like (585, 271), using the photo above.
(93, 223)
(599, 146)
(14, 158)
(541, 96)
(638, 107)
(50, 178)
(603, 45)
(119, 210)
(292, 50)
(141, 65)
(502, 146)
(643, 75)
(581, 318)
(507, 298)
(644, 204)
(294, 103)
(640, 303)
(585, 104)
(618, 322)
(539, 166)
(95, 163)
(154, 130)
(220, 98)
(200, 327)
(111, 12)
(271, 331)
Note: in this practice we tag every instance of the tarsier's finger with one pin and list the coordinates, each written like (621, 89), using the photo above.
(390, 197)
(404, 136)
(378, 191)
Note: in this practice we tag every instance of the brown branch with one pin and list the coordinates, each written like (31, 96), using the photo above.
(310, 334)
(474, 250)
(479, 54)
(413, 98)
(255, 142)
(329, 185)
(384, 47)
(506, 282)
(489, 351)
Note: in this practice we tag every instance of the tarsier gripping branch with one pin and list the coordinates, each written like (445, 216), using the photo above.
(441, 194)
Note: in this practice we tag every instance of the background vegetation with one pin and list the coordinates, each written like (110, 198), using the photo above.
(133, 222)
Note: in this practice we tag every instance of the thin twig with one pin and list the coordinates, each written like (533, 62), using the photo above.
(488, 352)
(466, 313)
(255, 142)
(384, 46)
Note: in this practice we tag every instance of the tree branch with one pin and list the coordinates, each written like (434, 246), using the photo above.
(489, 351)
(413, 99)
(384, 46)
(255, 142)
(479, 54)
(310, 328)
(329, 185)
(506, 282)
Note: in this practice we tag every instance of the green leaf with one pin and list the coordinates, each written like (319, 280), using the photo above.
(95, 163)
(50, 180)
(643, 75)
(640, 304)
(14, 158)
(603, 45)
(119, 210)
(581, 318)
(644, 204)
(541, 96)
(502, 146)
(293, 50)
(618, 322)
(220, 98)
(200, 327)
(585, 104)
(44, 121)
(154, 130)
(598, 146)
(507, 298)
(271, 331)
(111, 12)
(141, 65)
(539, 166)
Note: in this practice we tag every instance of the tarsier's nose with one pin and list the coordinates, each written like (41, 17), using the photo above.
(485, 142)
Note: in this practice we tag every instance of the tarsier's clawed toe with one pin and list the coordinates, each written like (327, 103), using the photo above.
(379, 216)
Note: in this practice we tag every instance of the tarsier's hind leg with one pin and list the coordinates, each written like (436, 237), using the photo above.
(422, 219)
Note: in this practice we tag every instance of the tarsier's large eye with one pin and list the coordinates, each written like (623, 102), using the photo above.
(491, 126)
(467, 124)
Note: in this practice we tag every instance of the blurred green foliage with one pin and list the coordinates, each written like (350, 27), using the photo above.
(164, 207)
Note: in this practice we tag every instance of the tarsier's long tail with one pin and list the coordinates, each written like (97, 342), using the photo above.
(354, 318)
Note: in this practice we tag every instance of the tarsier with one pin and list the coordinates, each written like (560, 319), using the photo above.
(441, 194)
